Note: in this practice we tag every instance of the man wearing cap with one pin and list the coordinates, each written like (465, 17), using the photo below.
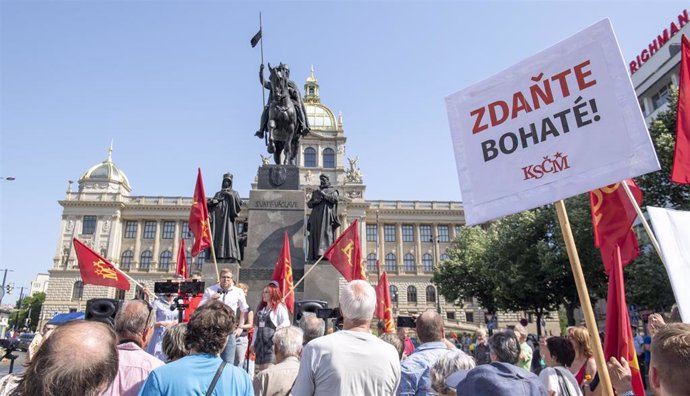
(415, 378)
(501, 376)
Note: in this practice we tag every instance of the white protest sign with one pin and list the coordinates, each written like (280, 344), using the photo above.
(562, 122)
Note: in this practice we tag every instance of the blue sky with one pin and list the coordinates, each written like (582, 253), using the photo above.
(175, 85)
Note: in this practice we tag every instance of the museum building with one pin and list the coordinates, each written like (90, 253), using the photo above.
(141, 234)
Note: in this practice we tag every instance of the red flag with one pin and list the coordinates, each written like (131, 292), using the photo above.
(283, 274)
(384, 308)
(96, 270)
(181, 261)
(618, 339)
(681, 157)
(198, 218)
(612, 217)
(346, 254)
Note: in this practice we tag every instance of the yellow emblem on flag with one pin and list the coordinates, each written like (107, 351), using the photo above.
(104, 270)
(347, 250)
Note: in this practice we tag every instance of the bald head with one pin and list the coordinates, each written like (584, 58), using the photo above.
(80, 356)
(133, 319)
(430, 326)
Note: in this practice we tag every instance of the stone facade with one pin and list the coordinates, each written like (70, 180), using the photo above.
(141, 234)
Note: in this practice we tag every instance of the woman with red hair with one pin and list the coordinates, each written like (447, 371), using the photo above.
(272, 314)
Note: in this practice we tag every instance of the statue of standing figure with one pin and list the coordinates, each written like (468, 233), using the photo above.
(323, 220)
(223, 210)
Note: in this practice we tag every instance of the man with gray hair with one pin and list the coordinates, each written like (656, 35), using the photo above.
(351, 361)
(312, 326)
(278, 379)
(134, 328)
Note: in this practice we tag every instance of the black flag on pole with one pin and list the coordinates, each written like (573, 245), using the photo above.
(255, 40)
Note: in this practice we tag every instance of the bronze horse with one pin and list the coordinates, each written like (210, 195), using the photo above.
(282, 119)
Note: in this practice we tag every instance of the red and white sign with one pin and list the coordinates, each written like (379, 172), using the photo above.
(562, 122)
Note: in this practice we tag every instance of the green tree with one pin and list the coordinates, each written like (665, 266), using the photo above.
(28, 308)
(657, 186)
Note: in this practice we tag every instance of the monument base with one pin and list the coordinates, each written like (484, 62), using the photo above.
(322, 283)
(208, 271)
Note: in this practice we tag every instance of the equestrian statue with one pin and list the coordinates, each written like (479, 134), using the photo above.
(284, 117)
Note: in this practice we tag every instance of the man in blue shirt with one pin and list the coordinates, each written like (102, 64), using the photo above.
(415, 378)
(206, 335)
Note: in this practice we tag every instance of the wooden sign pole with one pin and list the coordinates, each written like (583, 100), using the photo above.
(583, 294)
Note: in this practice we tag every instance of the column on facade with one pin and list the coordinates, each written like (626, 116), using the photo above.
(115, 236)
(156, 245)
(176, 242)
(382, 244)
(435, 242)
(398, 237)
(137, 244)
(418, 249)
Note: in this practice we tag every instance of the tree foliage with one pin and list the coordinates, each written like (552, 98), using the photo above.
(29, 307)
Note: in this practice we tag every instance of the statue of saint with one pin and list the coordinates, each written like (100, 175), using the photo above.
(223, 210)
(302, 127)
(323, 220)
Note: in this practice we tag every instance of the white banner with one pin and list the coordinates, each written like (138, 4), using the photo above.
(562, 122)
(672, 230)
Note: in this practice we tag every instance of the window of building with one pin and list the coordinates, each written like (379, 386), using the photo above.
(372, 233)
(146, 258)
(458, 230)
(200, 260)
(186, 232)
(450, 315)
(130, 229)
(127, 257)
(661, 96)
(469, 317)
(77, 290)
(149, 229)
(188, 255)
(408, 262)
(445, 257)
(389, 232)
(407, 233)
(411, 294)
(164, 264)
(443, 233)
(309, 157)
(394, 294)
(328, 158)
(119, 294)
(88, 226)
(371, 262)
(467, 300)
(430, 294)
(427, 263)
(168, 230)
(643, 107)
(425, 233)
(391, 265)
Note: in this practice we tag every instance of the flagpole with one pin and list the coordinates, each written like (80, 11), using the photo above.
(263, 91)
(292, 289)
(144, 288)
(645, 224)
(583, 294)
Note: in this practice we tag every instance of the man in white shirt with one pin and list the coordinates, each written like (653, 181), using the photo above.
(234, 298)
(352, 361)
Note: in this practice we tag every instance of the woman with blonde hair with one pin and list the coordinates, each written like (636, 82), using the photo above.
(584, 367)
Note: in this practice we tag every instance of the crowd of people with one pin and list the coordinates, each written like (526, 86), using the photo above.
(206, 355)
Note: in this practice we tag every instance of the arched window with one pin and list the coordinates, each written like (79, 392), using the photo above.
(371, 262)
(391, 265)
(309, 157)
(146, 258)
(328, 158)
(430, 294)
(394, 294)
(408, 262)
(411, 294)
(427, 263)
(164, 264)
(77, 290)
(127, 257)
(445, 257)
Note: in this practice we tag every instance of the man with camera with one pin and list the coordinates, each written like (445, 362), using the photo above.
(234, 298)
(134, 327)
